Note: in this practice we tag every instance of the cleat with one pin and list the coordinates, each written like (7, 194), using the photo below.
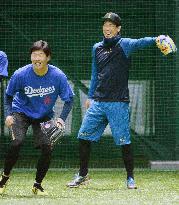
(38, 190)
(131, 183)
(3, 183)
(78, 180)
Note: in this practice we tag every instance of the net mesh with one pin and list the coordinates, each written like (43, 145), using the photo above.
(71, 28)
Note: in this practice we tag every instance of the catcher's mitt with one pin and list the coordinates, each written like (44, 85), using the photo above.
(165, 44)
(53, 132)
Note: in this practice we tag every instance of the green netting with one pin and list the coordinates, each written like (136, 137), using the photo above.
(72, 27)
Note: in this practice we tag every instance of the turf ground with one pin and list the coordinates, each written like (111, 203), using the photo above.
(105, 188)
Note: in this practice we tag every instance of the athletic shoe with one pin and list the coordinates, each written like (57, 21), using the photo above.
(3, 183)
(131, 183)
(78, 180)
(38, 190)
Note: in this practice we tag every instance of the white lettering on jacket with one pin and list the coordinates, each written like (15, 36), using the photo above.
(31, 92)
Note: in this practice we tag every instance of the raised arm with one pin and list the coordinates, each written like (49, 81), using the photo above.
(130, 45)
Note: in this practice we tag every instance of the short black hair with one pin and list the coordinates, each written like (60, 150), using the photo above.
(41, 45)
(113, 17)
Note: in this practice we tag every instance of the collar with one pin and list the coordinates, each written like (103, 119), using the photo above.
(110, 42)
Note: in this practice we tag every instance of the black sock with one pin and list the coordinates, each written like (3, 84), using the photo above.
(84, 151)
(128, 160)
(43, 163)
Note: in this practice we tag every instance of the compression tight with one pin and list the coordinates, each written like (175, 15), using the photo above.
(43, 163)
(11, 156)
(84, 152)
(85, 149)
(128, 159)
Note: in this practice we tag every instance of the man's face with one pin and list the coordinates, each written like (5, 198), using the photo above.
(110, 30)
(39, 59)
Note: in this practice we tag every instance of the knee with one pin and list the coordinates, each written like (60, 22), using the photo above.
(14, 149)
(84, 142)
(16, 143)
(46, 150)
(127, 151)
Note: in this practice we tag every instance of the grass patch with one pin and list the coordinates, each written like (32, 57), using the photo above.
(105, 188)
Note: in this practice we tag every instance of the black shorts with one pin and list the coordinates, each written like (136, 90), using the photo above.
(21, 125)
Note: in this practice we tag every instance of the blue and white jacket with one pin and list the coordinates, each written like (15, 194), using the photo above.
(110, 67)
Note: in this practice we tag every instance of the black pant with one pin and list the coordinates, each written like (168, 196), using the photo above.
(19, 129)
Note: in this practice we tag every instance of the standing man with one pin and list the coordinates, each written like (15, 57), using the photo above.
(110, 93)
(3, 65)
(30, 97)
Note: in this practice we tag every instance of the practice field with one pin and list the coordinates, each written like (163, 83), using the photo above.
(105, 187)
